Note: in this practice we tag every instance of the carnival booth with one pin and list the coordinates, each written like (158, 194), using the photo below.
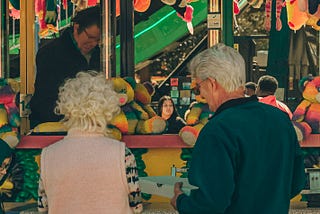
(146, 46)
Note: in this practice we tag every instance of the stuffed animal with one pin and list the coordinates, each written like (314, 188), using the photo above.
(296, 17)
(126, 121)
(312, 9)
(9, 123)
(9, 112)
(310, 6)
(268, 9)
(46, 10)
(196, 117)
(138, 5)
(184, 11)
(306, 117)
(136, 116)
(148, 121)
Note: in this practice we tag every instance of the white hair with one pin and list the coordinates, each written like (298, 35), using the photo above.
(222, 63)
(88, 102)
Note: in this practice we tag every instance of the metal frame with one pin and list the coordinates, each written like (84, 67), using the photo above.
(214, 36)
(27, 59)
(106, 48)
(4, 39)
(126, 39)
(1, 39)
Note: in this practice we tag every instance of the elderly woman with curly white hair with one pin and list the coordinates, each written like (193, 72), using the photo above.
(86, 171)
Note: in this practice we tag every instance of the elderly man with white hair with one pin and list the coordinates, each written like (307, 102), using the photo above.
(247, 158)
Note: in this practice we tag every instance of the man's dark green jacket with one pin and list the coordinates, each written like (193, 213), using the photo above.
(246, 160)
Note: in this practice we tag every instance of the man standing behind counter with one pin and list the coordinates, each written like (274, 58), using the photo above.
(247, 158)
(75, 50)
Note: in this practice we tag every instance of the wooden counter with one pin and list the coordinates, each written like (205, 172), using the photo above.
(137, 141)
(132, 141)
(149, 208)
(312, 141)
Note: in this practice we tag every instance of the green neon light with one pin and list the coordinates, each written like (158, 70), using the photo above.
(151, 26)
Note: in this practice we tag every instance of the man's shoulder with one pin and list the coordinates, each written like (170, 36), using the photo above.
(49, 48)
(58, 44)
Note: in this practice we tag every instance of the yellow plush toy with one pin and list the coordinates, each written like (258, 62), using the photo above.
(196, 117)
(149, 122)
(296, 17)
(126, 121)
(136, 117)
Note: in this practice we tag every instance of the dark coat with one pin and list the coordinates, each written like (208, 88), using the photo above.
(57, 61)
(247, 159)
(174, 124)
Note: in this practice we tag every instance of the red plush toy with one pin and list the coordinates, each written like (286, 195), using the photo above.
(184, 11)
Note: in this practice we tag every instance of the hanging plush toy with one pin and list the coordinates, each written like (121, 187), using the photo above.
(268, 9)
(83, 4)
(296, 17)
(14, 10)
(312, 9)
(184, 11)
(46, 10)
(138, 5)
(236, 9)
(310, 6)
(141, 5)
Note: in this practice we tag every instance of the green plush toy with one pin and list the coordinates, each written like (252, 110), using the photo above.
(196, 117)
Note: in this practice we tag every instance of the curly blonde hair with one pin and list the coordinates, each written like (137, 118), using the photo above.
(88, 102)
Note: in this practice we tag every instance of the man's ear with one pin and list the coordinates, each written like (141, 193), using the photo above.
(75, 28)
(257, 91)
(213, 82)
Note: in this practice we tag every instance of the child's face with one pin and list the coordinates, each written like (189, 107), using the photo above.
(167, 109)
(4, 167)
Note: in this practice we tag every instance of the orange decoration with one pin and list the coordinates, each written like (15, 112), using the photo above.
(141, 5)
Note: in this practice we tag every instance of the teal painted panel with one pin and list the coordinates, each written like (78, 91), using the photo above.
(160, 30)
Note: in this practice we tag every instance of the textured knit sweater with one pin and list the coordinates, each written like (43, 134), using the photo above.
(85, 173)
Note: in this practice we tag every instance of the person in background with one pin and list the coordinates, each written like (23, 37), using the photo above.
(168, 111)
(250, 89)
(75, 50)
(6, 156)
(87, 171)
(237, 167)
(267, 86)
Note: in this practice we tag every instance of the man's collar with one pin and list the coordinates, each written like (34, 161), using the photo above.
(235, 102)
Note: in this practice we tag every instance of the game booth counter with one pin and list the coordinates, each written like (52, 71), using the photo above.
(156, 154)
(160, 153)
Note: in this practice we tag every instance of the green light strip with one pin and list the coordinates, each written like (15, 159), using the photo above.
(151, 26)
